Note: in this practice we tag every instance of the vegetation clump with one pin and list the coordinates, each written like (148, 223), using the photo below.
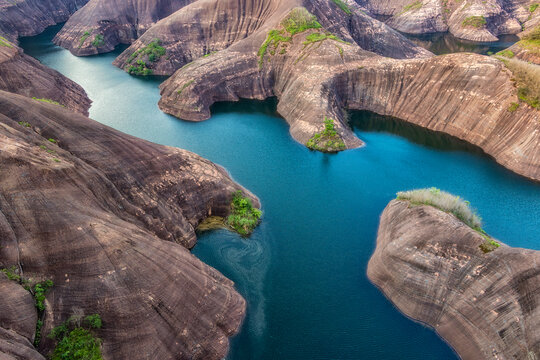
(48, 101)
(327, 140)
(183, 87)
(533, 7)
(527, 81)
(513, 107)
(83, 38)
(343, 6)
(145, 57)
(5, 42)
(99, 41)
(297, 21)
(474, 21)
(411, 7)
(506, 53)
(316, 37)
(24, 123)
(76, 340)
(244, 218)
(531, 41)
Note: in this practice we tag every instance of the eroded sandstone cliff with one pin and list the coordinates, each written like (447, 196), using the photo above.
(429, 264)
(30, 17)
(102, 24)
(22, 74)
(109, 218)
(320, 72)
(476, 20)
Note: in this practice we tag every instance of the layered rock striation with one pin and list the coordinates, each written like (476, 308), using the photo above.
(22, 74)
(110, 218)
(430, 265)
(102, 24)
(471, 19)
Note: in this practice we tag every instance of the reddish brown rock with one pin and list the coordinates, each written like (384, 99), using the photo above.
(429, 264)
(22, 74)
(109, 217)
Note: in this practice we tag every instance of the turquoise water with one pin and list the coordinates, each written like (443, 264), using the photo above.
(303, 270)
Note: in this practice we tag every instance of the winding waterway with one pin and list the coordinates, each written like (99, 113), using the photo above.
(303, 272)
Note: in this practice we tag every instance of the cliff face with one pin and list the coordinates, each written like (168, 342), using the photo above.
(31, 17)
(471, 19)
(18, 319)
(109, 218)
(465, 95)
(102, 24)
(429, 264)
(22, 74)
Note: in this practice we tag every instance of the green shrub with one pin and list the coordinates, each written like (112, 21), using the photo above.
(40, 291)
(533, 7)
(153, 52)
(24, 123)
(489, 245)
(77, 342)
(513, 107)
(99, 41)
(474, 21)
(244, 218)
(83, 38)
(12, 273)
(327, 140)
(343, 6)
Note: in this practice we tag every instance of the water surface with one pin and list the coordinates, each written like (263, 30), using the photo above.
(303, 272)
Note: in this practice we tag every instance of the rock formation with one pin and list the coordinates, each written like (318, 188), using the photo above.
(22, 74)
(102, 24)
(475, 20)
(429, 264)
(31, 17)
(355, 62)
(109, 218)
(18, 319)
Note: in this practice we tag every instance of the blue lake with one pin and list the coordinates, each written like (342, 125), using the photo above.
(303, 271)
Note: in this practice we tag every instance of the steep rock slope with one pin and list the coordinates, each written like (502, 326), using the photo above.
(207, 26)
(102, 24)
(22, 74)
(30, 17)
(318, 73)
(476, 20)
(429, 264)
(109, 218)
(18, 319)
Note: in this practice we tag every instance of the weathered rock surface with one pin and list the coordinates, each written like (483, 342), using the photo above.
(22, 74)
(18, 319)
(429, 264)
(109, 217)
(116, 21)
(31, 17)
(464, 95)
(427, 16)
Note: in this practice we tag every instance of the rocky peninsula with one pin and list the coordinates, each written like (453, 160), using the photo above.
(479, 294)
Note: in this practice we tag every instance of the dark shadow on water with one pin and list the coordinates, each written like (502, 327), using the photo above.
(372, 122)
(446, 43)
(247, 106)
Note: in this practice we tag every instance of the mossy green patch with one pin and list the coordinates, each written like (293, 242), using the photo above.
(474, 21)
(5, 42)
(327, 140)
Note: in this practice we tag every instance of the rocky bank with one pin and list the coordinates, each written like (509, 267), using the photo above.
(109, 218)
(22, 74)
(429, 264)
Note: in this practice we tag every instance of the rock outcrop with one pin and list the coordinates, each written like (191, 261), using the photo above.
(18, 319)
(31, 17)
(475, 20)
(350, 66)
(485, 305)
(22, 74)
(109, 218)
(102, 24)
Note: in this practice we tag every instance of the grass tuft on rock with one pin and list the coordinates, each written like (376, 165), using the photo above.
(5, 42)
(327, 140)
(48, 101)
(244, 218)
(411, 7)
(531, 41)
(343, 6)
(452, 204)
(474, 21)
(526, 80)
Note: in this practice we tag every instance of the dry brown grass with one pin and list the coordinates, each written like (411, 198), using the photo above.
(527, 78)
